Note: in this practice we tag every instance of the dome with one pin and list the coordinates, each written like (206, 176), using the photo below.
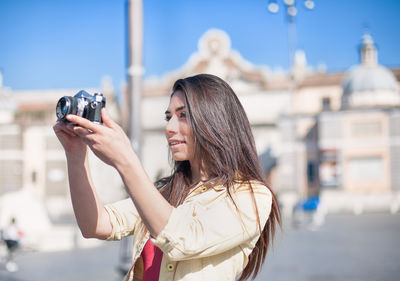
(363, 78)
(369, 84)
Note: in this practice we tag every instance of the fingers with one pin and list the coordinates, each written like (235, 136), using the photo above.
(85, 123)
(82, 132)
(64, 128)
(95, 134)
(105, 116)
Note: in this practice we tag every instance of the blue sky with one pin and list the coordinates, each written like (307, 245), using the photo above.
(73, 43)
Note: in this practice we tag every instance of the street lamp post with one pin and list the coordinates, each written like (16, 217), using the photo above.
(296, 149)
(135, 73)
(291, 13)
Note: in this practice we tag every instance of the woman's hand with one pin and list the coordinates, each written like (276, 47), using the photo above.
(71, 142)
(108, 142)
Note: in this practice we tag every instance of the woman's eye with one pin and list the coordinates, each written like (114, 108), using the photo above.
(181, 115)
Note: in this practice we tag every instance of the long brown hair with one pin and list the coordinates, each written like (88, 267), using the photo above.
(225, 148)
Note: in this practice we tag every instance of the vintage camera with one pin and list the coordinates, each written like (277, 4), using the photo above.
(82, 104)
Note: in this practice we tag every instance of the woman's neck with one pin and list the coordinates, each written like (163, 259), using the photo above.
(197, 173)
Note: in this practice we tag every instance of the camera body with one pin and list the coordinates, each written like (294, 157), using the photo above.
(82, 104)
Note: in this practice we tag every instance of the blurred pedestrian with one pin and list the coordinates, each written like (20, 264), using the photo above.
(211, 219)
(11, 236)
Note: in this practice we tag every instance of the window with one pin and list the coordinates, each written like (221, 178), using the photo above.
(10, 175)
(311, 172)
(326, 104)
(366, 169)
(11, 142)
(366, 129)
(56, 178)
(329, 169)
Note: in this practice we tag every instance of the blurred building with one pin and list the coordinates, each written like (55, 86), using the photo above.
(316, 132)
(32, 162)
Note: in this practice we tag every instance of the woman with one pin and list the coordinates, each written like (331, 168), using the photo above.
(212, 219)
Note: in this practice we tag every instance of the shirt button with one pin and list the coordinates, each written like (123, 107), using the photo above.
(170, 267)
(203, 189)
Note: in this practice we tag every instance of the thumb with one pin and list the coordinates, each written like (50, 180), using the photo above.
(105, 116)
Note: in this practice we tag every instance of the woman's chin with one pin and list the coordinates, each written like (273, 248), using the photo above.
(179, 157)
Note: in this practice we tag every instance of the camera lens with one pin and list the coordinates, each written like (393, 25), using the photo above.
(93, 105)
(63, 107)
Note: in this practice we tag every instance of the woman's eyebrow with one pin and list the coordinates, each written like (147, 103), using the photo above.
(177, 109)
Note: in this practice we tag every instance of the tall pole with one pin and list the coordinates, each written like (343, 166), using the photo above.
(296, 150)
(292, 40)
(135, 73)
(290, 14)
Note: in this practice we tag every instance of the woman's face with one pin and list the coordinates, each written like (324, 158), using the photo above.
(178, 131)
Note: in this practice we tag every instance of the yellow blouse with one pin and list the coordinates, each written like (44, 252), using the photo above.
(206, 238)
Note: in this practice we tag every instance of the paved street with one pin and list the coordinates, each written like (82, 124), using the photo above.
(345, 248)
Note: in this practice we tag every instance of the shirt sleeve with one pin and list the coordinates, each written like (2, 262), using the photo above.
(124, 218)
(196, 230)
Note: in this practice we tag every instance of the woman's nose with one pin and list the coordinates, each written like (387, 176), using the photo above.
(172, 125)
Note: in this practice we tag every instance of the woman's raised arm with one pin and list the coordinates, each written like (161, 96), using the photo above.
(90, 214)
(113, 147)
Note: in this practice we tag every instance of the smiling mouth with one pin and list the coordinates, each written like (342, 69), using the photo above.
(175, 143)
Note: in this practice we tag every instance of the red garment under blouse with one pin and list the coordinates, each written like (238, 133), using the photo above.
(152, 257)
